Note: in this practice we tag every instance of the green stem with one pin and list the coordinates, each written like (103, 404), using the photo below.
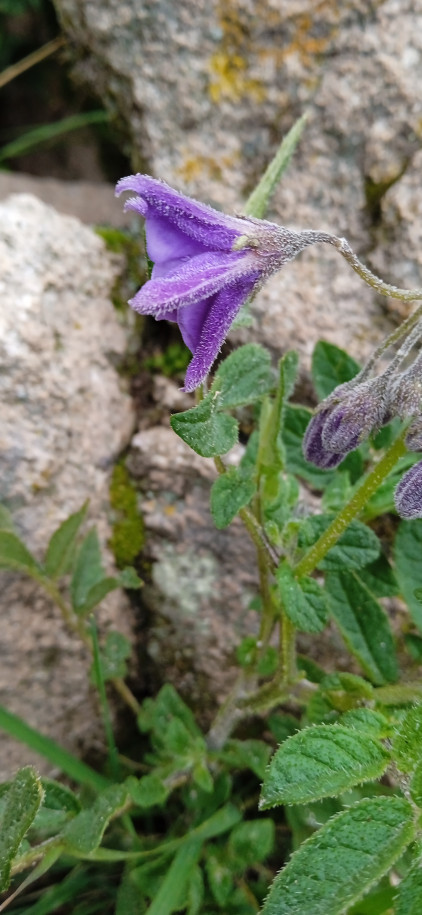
(288, 649)
(113, 754)
(358, 502)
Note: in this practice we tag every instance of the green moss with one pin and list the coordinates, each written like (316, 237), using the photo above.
(128, 532)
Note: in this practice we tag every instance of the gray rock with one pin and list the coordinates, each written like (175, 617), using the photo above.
(204, 92)
(91, 202)
(64, 416)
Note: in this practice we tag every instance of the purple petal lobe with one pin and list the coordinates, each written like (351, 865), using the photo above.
(194, 280)
(166, 243)
(313, 448)
(190, 319)
(211, 228)
(222, 310)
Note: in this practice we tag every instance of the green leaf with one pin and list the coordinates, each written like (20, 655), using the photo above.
(367, 720)
(59, 797)
(205, 431)
(156, 714)
(252, 841)
(321, 761)
(415, 787)
(129, 579)
(229, 493)
(409, 894)
(246, 754)
(171, 894)
(258, 201)
(363, 625)
(48, 132)
(407, 744)
(355, 548)
(379, 578)
(84, 833)
(61, 548)
(88, 571)
(147, 791)
(21, 803)
(408, 552)
(244, 377)
(338, 864)
(116, 650)
(304, 600)
(220, 876)
(97, 593)
(14, 555)
(331, 366)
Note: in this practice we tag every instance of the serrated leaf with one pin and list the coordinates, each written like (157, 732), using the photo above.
(61, 547)
(409, 894)
(304, 600)
(229, 493)
(15, 556)
(148, 790)
(206, 431)
(88, 570)
(338, 864)
(408, 552)
(321, 761)
(21, 804)
(363, 625)
(367, 720)
(84, 833)
(407, 744)
(244, 377)
(331, 366)
(356, 547)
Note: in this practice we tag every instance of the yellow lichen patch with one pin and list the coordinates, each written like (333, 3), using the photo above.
(194, 167)
(229, 79)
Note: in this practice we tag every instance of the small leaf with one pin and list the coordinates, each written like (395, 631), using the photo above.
(116, 651)
(205, 431)
(59, 797)
(62, 544)
(97, 593)
(331, 366)
(409, 894)
(244, 377)
(171, 894)
(88, 570)
(147, 791)
(14, 555)
(408, 552)
(156, 714)
(21, 804)
(229, 493)
(338, 864)
(363, 625)
(321, 761)
(246, 754)
(129, 579)
(84, 833)
(355, 548)
(304, 600)
(251, 842)
(415, 787)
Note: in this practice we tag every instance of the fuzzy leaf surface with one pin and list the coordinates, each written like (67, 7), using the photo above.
(229, 493)
(321, 761)
(304, 600)
(340, 862)
(355, 548)
(363, 625)
(206, 431)
(244, 377)
(21, 804)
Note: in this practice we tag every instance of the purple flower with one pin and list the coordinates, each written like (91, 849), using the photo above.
(206, 265)
(361, 411)
(408, 494)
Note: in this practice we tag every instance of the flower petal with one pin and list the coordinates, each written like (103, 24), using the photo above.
(195, 280)
(214, 230)
(167, 245)
(222, 310)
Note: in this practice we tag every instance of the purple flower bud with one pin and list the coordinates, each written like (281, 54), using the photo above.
(413, 438)
(206, 265)
(313, 448)
(408, 494)
(405, 394)
(361, 412)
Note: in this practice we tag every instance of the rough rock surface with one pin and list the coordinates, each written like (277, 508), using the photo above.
(204, 91)
(64, 416)
(91, 202)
